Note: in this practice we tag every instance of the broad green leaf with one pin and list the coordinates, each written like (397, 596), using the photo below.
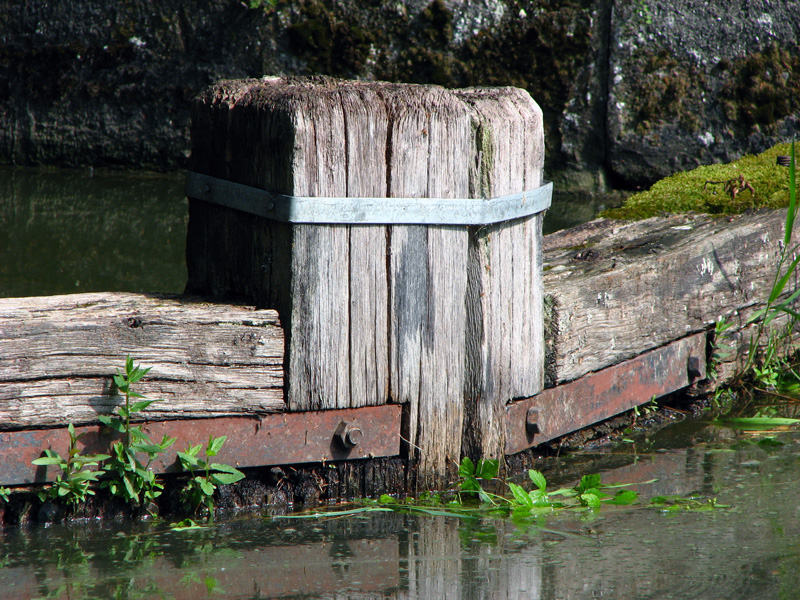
(225, 468)
(140, 406)
(538, 479)
(488, 468)
(47, 460)
(520, 495)
(591, 500)
(588, 482)
(138, 373)
(623, 498)
(470, 484)
(187, 459)
(466, 468)
(226, 478)
(129, 487)
(206, 486)
(215, 445)
(121, 383)
(147, 448)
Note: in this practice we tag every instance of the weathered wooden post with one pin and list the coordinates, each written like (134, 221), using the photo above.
(365, 223)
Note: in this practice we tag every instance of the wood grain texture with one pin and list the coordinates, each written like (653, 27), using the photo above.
(505, 321)
(329, 283)
(428, 156)
(623, 288)
(59, 353)
(375, 313)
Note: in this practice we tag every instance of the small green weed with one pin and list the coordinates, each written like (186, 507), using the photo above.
(5, 494)
(128, 477)
(205, 476)
(589, 492)
(721, 346)
(73, 484)
(472, 474)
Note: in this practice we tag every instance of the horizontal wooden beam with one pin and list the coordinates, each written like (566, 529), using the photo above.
(280, 439)
(58, 355)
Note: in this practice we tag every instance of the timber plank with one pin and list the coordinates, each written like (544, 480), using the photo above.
(59, 353)
(429, 145)
(622, 288)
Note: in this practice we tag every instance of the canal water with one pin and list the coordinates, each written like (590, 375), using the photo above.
(749, 550)
(74, 231)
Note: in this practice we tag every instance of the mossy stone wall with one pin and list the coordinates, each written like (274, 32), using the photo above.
(631, 91)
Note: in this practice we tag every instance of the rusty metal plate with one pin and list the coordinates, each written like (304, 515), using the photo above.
(603, 394)
(277, 439)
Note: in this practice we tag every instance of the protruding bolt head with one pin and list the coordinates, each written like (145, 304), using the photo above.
(532, 421)
(348, 435)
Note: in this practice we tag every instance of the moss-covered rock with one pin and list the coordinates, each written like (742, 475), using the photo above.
(714, 189)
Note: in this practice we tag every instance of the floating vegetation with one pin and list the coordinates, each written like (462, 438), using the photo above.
(468, 499)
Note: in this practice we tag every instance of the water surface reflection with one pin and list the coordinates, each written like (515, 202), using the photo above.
(751, 550)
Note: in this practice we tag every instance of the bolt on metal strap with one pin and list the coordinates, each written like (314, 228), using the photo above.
(382, 211)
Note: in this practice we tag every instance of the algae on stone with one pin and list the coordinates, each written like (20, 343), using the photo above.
(688, 191)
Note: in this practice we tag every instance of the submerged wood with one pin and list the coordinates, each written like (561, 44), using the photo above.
(622, 288)
(58, 355)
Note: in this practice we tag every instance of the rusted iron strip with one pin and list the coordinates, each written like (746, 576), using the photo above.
(603, 394)
(278, 439)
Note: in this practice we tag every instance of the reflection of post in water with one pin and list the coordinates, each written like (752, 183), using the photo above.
(448, 558)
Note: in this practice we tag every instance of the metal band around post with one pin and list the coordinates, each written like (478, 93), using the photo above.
(385, 211)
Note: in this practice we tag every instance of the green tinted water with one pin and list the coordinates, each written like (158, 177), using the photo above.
(68, 231)
(76, 231)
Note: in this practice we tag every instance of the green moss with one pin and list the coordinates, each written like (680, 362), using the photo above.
(762, 88)
(688, 191)
(666, 93)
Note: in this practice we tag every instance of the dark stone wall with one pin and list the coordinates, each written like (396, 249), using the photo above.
(631, 91)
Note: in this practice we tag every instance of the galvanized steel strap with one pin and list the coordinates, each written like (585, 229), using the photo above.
(384, 211)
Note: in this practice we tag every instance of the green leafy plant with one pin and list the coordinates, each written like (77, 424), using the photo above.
(785, 272)
(5, 494)
(205, 476)
(645, 410)
(127, 476)
(470, 475)
(589, 492)
(721, 347)
(74, 482)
